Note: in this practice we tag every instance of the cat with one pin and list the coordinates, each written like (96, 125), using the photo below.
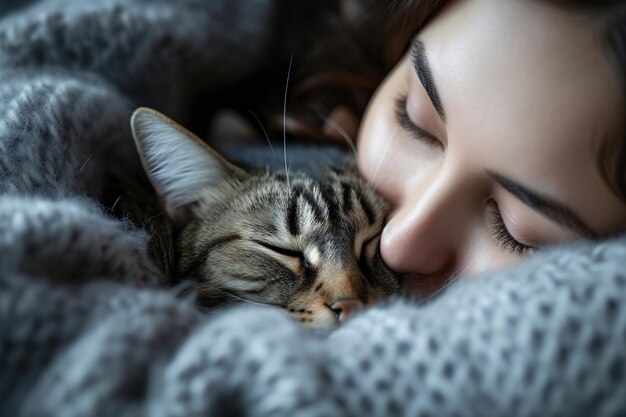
(305, 244)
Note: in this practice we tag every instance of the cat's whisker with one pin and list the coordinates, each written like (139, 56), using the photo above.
(150, 218)
(188, 281)
(229, 294)
(183, 290)
(194, 283)
(240, 298)
(116, 201)
(285, 122)
(207, 309)
(199, 286)
(85, 163)
(267, 137)
(342, 132)
(374, 173)
(451, 280)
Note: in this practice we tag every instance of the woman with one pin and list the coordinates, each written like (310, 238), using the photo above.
(500, 131)
(79, 337)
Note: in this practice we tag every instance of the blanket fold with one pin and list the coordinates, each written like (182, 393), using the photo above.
(85, 329)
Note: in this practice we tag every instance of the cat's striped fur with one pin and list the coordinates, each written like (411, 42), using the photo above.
(302, 244)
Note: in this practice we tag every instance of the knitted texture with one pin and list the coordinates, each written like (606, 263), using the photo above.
(85, 330)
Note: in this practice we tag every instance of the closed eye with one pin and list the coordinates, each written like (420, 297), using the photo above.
(502, 234)
(307, 267)
(403, 118)
(280, 250)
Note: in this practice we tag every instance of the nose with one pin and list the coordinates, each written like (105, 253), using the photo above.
(345, 308)
(425, 230)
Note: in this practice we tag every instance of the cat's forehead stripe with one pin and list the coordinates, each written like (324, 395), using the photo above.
(305, 210)
(332, 205)
(292, 215)
(367, 209)
(347, 197)
(315, 204)
(310, 214)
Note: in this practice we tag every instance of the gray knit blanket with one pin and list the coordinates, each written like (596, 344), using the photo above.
(85, 329)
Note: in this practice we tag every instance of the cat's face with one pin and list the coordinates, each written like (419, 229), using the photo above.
(309, 247)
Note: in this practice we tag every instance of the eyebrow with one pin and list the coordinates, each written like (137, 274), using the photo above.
(546, 206)
(422, 69)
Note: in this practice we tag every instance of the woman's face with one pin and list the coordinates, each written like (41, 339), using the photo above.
(485, 140)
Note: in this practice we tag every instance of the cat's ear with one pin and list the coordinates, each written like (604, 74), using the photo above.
(180, 166)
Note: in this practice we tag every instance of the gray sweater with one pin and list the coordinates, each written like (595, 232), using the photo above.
(85, 329)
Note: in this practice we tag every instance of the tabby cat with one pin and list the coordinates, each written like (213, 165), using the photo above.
(307, 245)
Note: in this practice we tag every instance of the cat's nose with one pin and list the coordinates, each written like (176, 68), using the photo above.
(346, 307)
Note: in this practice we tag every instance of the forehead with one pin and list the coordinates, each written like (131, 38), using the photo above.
(529, 85)
(522, 60)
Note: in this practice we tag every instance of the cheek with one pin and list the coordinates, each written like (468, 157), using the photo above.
(376, 148)
(390, 158)
(480, 253)
(371, 142)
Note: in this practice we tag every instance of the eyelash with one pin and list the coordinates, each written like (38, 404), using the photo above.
(289, 253)
(402, 117)
(502, 234)
(497, 226)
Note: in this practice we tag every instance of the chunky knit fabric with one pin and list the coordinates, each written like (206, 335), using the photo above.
(85, 330)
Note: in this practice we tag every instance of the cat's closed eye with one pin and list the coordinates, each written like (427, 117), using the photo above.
(280, 250)
(306, 265)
